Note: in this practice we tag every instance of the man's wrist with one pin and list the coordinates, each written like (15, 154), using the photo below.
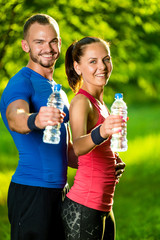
(31, 122)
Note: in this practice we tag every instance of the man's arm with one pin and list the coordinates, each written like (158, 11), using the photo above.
(17, 114)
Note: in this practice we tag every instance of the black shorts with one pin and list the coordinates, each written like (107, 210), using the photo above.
(34, 213)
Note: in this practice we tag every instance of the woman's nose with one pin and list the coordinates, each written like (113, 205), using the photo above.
(102, 65)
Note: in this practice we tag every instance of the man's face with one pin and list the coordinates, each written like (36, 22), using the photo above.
(43, 44)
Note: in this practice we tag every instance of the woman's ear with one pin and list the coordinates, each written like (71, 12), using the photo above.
(25, 46)
(77, 68)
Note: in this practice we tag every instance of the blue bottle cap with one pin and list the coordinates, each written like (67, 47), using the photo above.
(57, 87)
(118, 95)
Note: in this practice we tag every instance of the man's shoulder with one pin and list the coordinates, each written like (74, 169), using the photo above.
(17, 85)
(23, 73)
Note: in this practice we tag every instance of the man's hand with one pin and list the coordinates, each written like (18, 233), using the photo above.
(17, 114)
(49, 116)
(119, 167)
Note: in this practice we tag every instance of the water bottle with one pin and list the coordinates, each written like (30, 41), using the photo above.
(119, 140)
(52, 133)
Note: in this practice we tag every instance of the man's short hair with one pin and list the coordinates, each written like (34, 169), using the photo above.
(41, 19)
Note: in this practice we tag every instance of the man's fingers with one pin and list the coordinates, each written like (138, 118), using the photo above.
(119, 173)
(120, 166)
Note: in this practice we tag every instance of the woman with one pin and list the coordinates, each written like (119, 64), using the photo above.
(87, 210)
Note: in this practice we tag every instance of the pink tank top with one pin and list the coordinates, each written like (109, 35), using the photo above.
(95, 179)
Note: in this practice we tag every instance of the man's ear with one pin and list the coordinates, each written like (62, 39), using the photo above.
(77, 68)
(60, 42)
(25, 46)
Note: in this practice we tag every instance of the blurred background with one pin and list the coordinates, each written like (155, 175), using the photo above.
(133, 29)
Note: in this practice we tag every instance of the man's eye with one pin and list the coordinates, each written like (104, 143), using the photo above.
(93, 61)
(39, 42)
(55, 41)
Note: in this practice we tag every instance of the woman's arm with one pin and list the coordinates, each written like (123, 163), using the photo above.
(79, 111)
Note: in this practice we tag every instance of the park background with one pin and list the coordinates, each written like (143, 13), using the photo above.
(133, 29)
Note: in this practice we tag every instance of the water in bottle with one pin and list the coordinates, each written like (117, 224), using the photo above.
(52, 133)
(119, 140)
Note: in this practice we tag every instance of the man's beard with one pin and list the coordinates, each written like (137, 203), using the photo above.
(48, 64)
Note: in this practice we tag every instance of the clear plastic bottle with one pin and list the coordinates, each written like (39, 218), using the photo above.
(119, 140)
(51, 134)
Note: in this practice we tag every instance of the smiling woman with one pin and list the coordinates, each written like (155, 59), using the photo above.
(88, 68)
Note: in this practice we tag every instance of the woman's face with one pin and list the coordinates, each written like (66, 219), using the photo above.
(95, 65)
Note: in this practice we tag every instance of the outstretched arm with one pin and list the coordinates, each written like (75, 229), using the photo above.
(78, 114)
(18, 113)
(80, 110)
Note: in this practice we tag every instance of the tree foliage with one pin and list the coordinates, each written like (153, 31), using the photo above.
(131, 26)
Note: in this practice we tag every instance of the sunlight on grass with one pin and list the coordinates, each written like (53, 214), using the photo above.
(138, 191)
(4, 183)
(142, 148)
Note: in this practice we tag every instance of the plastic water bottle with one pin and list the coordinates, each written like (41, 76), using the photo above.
(52, 133)
(119, 140)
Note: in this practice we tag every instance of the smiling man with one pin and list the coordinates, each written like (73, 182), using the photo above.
(35, 192)
(43, 43)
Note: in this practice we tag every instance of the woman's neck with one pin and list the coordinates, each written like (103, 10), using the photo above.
(97, 93)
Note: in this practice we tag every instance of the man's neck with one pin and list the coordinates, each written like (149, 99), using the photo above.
(45, 72)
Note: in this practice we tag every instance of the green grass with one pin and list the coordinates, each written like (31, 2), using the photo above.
(136, 203)
(137, 198)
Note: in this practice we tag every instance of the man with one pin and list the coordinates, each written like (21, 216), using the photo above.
(35, 192)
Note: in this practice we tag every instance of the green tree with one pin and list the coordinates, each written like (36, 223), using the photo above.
(131, 26)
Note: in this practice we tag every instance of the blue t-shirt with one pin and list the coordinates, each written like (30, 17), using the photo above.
(40, 164)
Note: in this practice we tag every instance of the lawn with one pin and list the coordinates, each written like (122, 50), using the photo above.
(137, 198)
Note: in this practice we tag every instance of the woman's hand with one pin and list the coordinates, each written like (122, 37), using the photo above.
(112, 124)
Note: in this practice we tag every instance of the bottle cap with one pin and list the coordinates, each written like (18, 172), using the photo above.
(119, 96)
(57, 87)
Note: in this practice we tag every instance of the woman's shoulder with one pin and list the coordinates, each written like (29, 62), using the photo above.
(80, 100)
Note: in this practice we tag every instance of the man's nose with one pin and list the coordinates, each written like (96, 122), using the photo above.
(48, 47)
